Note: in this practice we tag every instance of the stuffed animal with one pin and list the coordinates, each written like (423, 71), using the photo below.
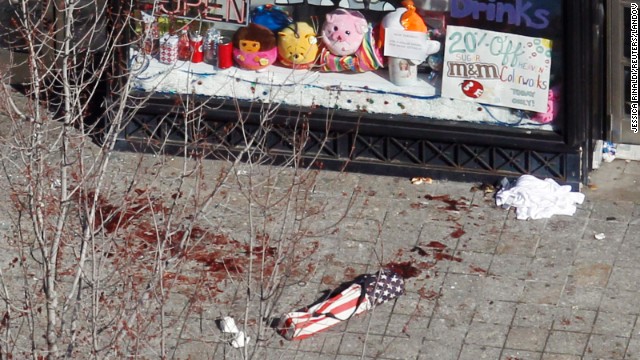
(273, 17)
(407, 19)
(367, 57)
(254, 47)
(343, 31)
(411, 20)
(349, 43)
(375, 5)
(298, 46)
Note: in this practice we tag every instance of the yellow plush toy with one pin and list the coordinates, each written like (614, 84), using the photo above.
(298, 46)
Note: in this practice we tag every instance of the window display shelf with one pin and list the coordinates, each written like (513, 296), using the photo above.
(369, 92)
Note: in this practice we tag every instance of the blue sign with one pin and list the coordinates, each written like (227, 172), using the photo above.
(518, 12)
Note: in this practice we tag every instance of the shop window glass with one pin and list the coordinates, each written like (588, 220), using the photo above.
(477, 61)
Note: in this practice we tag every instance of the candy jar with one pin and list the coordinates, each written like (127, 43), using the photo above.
(184, 47)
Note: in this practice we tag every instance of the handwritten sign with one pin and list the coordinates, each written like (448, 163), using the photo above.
(496, 68)
(406, 44)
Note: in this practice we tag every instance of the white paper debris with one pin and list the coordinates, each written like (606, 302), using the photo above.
(600, 236)
(421, 180)
(240, 340)
(228, 326)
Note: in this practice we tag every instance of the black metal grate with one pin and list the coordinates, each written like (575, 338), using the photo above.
(464, 157)
(364, 151)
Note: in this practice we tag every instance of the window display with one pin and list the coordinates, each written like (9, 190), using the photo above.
(480, 61)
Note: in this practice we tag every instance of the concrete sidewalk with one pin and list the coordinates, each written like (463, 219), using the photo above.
(510, 289)
(487, 286)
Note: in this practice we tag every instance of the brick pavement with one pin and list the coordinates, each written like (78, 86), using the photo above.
(511, 290)
(501, 289)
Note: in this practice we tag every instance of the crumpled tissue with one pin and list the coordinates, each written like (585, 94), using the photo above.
(539, 199)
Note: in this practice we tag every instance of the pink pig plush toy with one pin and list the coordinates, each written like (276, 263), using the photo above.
(349, 43)
(343, 31)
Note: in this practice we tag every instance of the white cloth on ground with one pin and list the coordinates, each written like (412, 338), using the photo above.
(539, 199)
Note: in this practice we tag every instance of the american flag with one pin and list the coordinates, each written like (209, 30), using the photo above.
(383, 286)
(362, 295)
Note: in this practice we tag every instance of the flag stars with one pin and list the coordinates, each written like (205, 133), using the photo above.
(383, 286)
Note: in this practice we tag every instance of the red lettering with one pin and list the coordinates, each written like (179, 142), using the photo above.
(238, 11)
(189, 4)
(164, 10)
(234, 10)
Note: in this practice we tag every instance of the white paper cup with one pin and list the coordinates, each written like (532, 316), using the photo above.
(402, 72)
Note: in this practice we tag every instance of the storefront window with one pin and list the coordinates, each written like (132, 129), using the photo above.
(12, 32)
(491, 62)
